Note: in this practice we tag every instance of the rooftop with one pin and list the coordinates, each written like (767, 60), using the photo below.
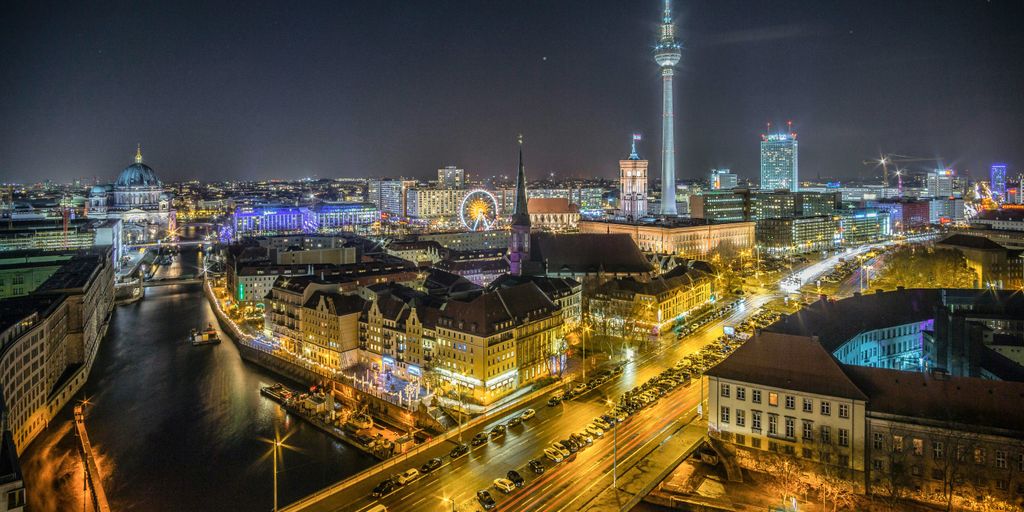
(588, 253)
(786, 361)
(972, 242)
(940, 397)
(836, 322)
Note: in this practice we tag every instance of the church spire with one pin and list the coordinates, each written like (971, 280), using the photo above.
(521, 214)
(519, 239)
(138, 153)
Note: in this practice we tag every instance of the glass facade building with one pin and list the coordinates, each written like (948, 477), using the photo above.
(779, 162)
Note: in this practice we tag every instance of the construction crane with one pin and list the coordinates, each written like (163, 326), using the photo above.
(886, 159)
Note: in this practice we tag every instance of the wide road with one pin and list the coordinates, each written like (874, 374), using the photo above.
(557, 488)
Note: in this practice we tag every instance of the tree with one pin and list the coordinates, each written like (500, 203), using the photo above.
(919, 266)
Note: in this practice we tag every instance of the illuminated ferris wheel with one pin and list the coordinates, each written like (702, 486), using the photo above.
(479, 210)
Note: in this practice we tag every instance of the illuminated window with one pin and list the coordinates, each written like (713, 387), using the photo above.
(773, 399)
(918, 447)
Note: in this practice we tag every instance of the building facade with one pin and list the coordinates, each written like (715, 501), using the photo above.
(138, 199)
(779, 162)
(796, 235)
(694, 238)
(633, 185)
(722, 179)
(451, 177)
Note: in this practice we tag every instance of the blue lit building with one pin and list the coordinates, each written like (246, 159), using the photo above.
(997, 181)
(324, 218)
(864, 225)
(779, 162)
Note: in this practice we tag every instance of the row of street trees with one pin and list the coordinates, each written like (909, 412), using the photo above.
(920, 266)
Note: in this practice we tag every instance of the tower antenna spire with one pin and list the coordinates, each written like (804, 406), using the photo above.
(667, 54)
(138, 153)
(633, 155)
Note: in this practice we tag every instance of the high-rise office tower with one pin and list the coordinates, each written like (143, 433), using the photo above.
(779, 162)
(722, 179)
(667, 53)
(388, 194)
(997, 181)
(940, 183)
(451, 177)
(633, 184)
(519, 241)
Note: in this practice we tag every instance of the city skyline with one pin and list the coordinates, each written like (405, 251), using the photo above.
(80, 99)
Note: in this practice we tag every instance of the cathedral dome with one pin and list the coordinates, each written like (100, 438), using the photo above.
(98, 190)
(138, 174)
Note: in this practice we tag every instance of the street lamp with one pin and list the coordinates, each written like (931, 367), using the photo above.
(450, 500)
(615, 449)
(277, 445)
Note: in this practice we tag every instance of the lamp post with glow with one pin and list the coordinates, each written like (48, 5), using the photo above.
(615, 449)
(277, 445)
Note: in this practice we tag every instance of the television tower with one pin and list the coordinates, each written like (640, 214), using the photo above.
(667, 53)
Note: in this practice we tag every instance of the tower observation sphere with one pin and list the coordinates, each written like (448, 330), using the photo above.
(667, 53)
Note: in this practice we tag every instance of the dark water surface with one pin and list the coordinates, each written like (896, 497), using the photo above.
(179, 427)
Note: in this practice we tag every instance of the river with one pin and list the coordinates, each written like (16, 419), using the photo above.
(178, 427)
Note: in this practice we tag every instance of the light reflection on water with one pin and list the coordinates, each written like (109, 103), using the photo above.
(180, 427)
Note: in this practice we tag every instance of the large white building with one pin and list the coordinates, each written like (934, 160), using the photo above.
(139, 200)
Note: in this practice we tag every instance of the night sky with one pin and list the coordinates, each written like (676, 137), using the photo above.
(351, 89)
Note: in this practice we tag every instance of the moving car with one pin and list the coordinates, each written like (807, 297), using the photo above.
(515, 477)
(528, 414)
(459, 451)
(581, 387)
(553, 401)
(553, 454)
(479, 439)
(430, 465)
(536, 466)
(485, 499)
(408, 476)
(504, 485)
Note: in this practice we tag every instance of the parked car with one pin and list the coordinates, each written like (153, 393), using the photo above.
(459, 451)
(479, 439)
(536, 466)
(595, 430)
(561, 449)
(581, 387)
(408, 476)
(553, 454)
(384, 488)
(515, 477)
(497, 431)
(513, 421)
(528, 414)
(504, 485)
(430, 465)
(485, 499)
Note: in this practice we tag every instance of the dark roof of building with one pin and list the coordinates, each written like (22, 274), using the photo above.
(74, 273)
(16, 309)
(588, 253)
(669, 282)
(551, 205)
(336, 303)
(1016, 214)
(554, 287)
(835, 322)
(785, 361)
(444, 283)
(972, 242)
(495, 311)
(940, 397)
